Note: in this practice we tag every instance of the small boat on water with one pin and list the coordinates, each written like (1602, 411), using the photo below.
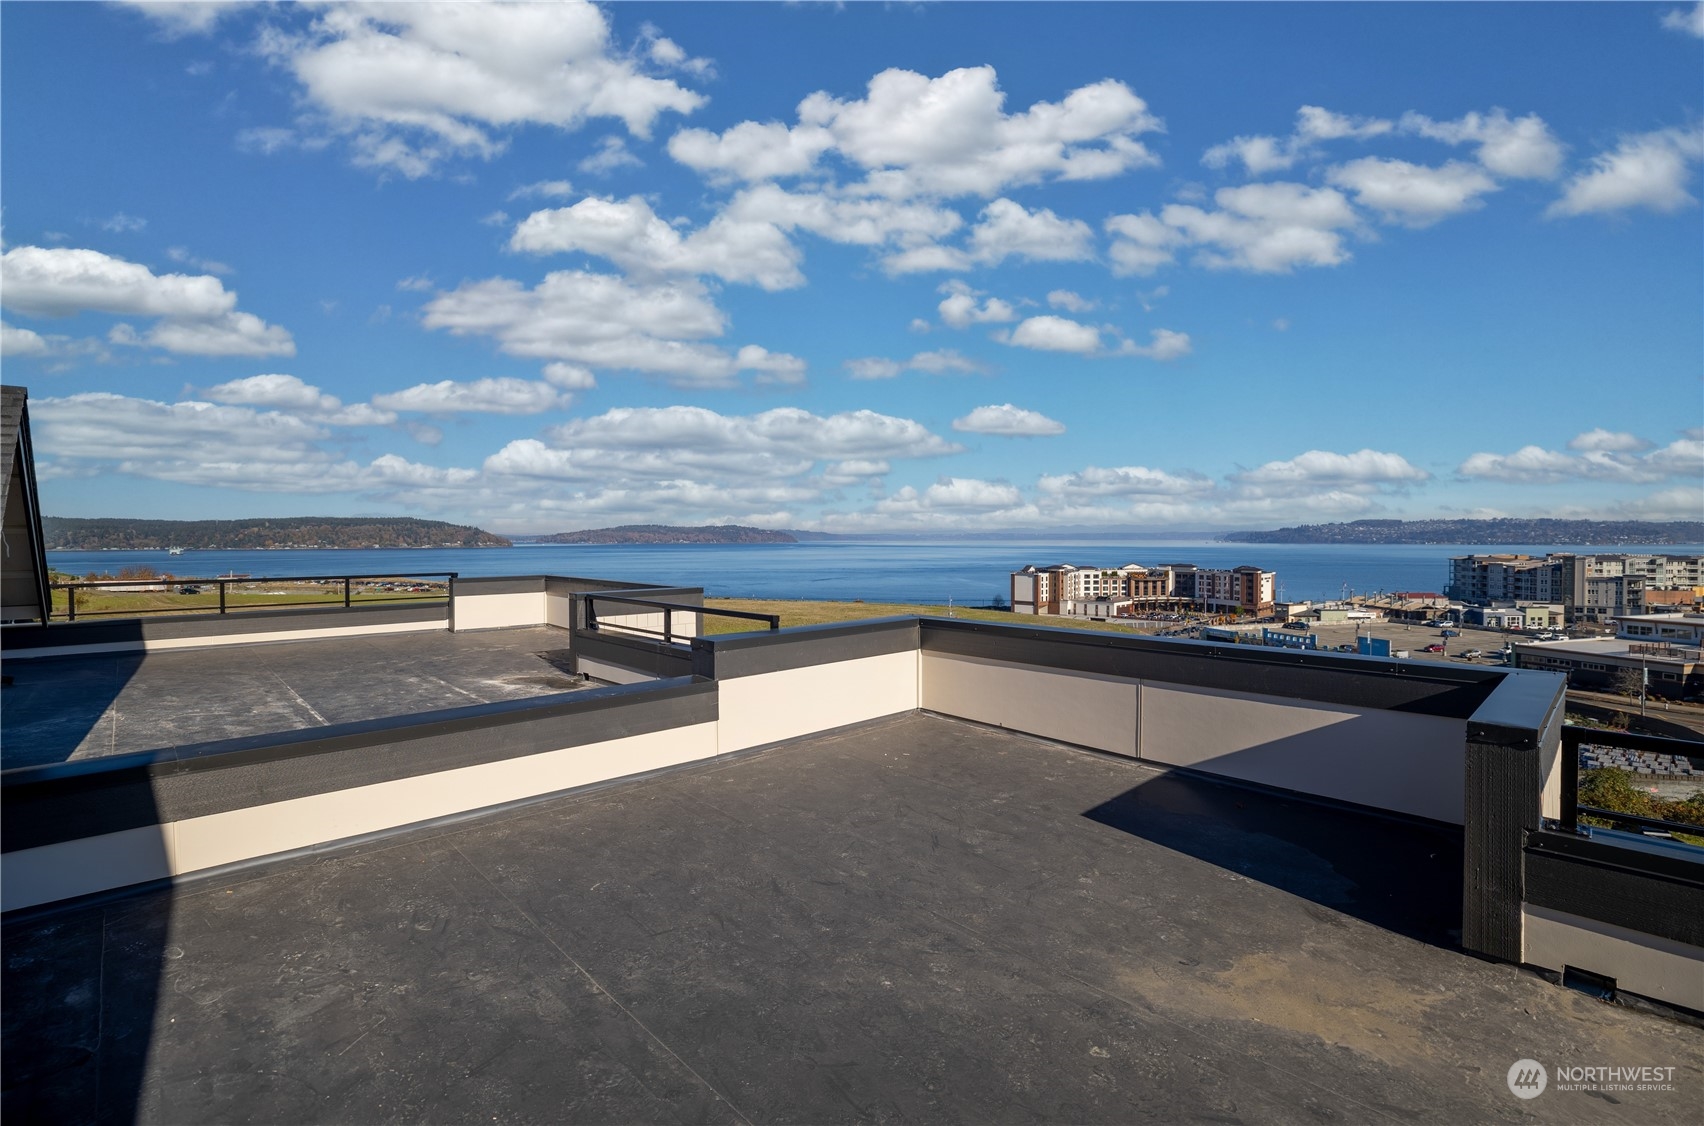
(174, 551)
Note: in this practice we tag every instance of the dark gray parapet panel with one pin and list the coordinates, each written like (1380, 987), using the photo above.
(1512, 743)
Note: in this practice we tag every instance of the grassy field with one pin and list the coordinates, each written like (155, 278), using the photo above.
(820, 613)
(251, 596)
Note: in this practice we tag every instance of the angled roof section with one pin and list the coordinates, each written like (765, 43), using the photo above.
(24, 591)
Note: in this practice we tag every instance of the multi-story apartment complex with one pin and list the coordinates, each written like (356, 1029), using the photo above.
(1591, 588)
(1133, 588)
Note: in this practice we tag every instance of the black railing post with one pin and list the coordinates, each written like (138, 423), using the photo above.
(71, 603)
(668, 625)
(221, 583)
(346, 591)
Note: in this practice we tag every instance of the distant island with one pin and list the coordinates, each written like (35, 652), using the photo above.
(64, 533)
(665, 533)
(1606, 533)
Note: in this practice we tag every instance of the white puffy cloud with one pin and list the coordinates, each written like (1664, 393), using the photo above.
(1688, 21)
(1008, 229)
(960, 308)
(1070, 302)
(287, 393)
(1262, 154)
(1618, 441)
(543, 189)
(183, 257)
(598, 321)
(1601, 456)
(612, 154)
(1139, 481)
(184, 17)
(198, 314)
(1142, 243)
(61, 282)
(123, 224)
(1364, 471)
(1048, 333)
(1262, 228)
(751, 151)
(926, 260)
(1007, 420)
(1163, 344)
(914, 135)
(409, 85)
(502, 395)
(772, 367)
(941, 361)
(630, 234)
(194, 442)
(1413, 194)
(1519, 148)
(952, 494)
(852, 220)
(229, 334)
(1648, 170)
(569, 377)
(873, 367)
(16, 341)
(628, 446)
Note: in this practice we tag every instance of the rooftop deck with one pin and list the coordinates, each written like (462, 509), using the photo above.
(915, 919)
(79, 707)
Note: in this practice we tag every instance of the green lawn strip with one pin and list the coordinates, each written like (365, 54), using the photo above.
(93, 602)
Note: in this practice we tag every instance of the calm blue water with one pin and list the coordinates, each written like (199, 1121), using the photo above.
(879, 572)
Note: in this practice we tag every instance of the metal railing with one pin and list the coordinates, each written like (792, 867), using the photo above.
(1573, 738)
(667, 633)
(355, 590)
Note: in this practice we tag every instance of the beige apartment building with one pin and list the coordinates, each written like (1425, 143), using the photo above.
(1133, 589)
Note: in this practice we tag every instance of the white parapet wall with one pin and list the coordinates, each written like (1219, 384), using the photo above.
(1087, 709)
(1400, 761)
(787, 703)
(185, 845)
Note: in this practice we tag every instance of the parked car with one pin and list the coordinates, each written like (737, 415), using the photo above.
(1433, 648)
(1449, 633)
(189, 590)
(1473, 654)
(1295, 625)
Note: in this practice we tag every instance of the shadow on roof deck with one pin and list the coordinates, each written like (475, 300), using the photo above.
(917, 919)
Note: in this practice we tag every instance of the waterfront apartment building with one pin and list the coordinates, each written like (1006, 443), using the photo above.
(1591, 588)
(1065, 588)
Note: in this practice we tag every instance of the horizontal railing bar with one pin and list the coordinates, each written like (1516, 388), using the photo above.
(655, 604)
(1642, 822)
(257, 579)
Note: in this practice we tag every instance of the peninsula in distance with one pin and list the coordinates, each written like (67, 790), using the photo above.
(63, 533)
(1506, 530)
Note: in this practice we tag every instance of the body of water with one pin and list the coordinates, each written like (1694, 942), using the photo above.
(965, 573)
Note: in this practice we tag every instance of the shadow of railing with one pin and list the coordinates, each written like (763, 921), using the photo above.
(1401, 874)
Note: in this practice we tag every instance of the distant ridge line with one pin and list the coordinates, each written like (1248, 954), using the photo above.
(1502, 530)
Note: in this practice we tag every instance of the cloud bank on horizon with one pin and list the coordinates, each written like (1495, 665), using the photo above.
(546, 267)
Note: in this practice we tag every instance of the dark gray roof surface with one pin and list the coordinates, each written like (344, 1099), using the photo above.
(915, 920)
(62, 708)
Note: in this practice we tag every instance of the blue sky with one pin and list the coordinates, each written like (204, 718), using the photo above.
(857, 268)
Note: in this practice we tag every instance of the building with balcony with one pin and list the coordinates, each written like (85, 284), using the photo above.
(1132, 589)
